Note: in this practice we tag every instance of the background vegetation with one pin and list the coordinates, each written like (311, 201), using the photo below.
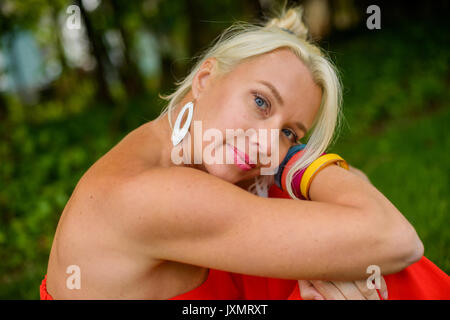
(58, 120)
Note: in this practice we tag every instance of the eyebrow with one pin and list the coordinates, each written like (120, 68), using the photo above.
(301, 127)
(274, 91)
(277, 95)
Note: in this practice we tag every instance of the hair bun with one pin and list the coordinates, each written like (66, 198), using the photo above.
(292, 21)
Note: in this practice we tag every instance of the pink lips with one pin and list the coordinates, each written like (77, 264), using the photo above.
(244, 158)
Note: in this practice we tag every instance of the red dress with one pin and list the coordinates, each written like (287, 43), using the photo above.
(222, 285)
(420, 281)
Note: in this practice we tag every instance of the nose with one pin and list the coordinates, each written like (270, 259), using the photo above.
(268, 141)
(261, 141)
(268, 144)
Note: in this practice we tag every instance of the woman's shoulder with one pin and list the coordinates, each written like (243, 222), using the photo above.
(125, 160)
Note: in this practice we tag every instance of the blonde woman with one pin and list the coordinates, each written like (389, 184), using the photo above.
(140, 226)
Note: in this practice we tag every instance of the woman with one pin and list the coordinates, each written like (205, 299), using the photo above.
(140, 225)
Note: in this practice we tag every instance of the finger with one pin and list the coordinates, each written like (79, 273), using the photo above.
(349, 290)
(383, 289)
(369, 294)
(327, 290)
(308, 292)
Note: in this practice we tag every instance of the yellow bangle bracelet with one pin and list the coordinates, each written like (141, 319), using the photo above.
(317, 165)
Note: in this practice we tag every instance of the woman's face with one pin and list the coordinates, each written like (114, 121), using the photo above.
(271, 91)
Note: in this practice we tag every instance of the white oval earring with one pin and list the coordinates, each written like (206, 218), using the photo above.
(177, 134)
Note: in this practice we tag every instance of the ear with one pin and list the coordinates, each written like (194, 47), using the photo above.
(203, 77)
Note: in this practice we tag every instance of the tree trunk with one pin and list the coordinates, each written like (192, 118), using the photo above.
(129, 72)
(99, 53)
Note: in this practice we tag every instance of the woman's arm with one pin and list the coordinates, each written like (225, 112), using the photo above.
(342, 290)
(186, 215)
(358, 173)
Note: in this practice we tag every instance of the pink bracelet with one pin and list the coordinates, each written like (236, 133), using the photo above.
(297, 176)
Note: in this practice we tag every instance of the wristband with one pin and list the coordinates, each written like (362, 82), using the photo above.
(293, 155)
(296, 149)
(314, 168)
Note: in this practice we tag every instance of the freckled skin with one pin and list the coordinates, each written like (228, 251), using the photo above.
(112, 264)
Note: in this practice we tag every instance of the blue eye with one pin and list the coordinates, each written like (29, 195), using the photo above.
(290, 134)
(260, 102)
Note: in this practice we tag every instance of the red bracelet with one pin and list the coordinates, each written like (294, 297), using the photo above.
(297, 176)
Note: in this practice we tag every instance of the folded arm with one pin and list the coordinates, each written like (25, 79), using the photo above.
(185, 215)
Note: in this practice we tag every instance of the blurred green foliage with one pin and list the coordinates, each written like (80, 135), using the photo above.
(397, 112)
(396, 108)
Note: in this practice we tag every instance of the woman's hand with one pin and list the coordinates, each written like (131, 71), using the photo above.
(340, 290)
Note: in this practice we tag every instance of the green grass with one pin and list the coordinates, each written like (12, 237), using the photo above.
(409, 163)
(397, 111)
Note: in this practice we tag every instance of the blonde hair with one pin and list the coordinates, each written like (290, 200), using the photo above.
(242, 41)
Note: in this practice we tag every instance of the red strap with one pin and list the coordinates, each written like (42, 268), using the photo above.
(43, 290)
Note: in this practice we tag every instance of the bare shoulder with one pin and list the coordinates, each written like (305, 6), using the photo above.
(177, 182)
(174, 188)
(162, 203)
